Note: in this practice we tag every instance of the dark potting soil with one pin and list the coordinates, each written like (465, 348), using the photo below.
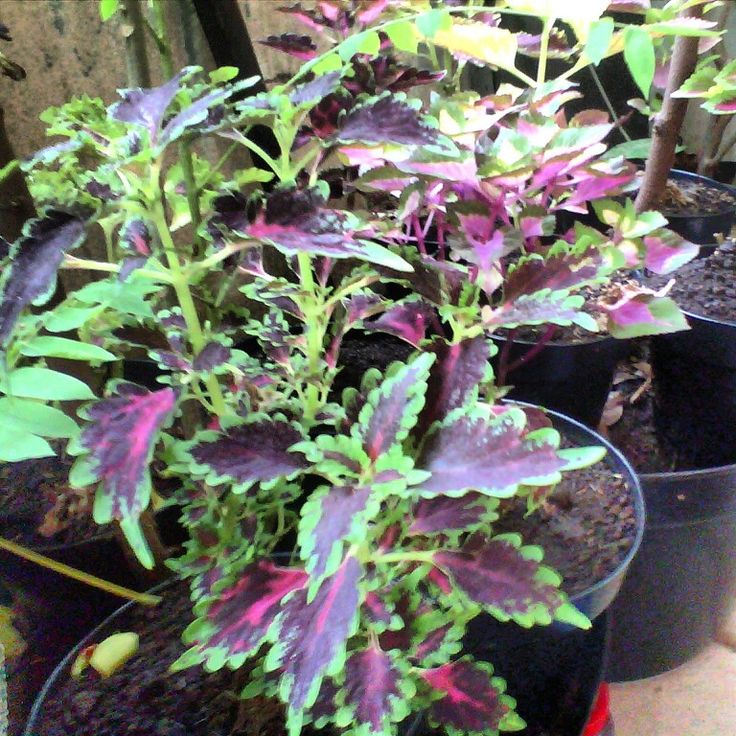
(706, 286)
(688, 198)
(158, 703)
(585, 527)
(39, 509)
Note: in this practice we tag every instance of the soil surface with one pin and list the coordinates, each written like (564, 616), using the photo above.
(39, 509)
(158, 703)
(688, 198)
(706, 286)
(585, 527)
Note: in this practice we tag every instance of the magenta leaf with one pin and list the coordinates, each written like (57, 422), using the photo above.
(667, 251)
(134, 236)
(386, 120)
(471, 701)
(503, 577)
(248, 453)
(454, 377)
(119, 440)
(639, 313)
(405, 320)
(31, 276)
(474, 450)
(444, 514)
(392, 408)
(312, 636)
(300, 46)
(372, 691)
(237, 621)
(328, 519)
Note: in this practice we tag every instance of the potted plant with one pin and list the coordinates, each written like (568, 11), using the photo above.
(268, 459)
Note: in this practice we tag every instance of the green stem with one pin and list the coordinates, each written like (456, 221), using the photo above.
(84, 264)
(220, 163)
(188, 309)
(607, 101)
(549, 24)
(82, 577)
(160, 36)
(413, 556)
(255, 148)
(190, 186)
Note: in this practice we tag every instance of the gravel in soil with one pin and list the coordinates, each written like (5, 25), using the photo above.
(585, 527)
(691, 198)
(706, 286)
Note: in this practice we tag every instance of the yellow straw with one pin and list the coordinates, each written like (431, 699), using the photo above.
(145, 598)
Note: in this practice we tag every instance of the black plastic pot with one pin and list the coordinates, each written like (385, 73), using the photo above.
(695, 381)
(681, 584)
(701, 229)
(555, 692)
(573, 379)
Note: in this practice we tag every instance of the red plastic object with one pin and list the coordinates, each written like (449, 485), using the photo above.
(600, 715)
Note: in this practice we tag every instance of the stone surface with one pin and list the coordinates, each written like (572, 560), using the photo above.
(697, 699)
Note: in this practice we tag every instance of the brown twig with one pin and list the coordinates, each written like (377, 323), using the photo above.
(668, 121)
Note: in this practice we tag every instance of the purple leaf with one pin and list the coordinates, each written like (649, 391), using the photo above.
(385, 120)
(471, 701)
(302, 47)
(120, 437)
(327, 521)
(504, 577)
(312, 635)
(129, 265)
(239, 619)
(556, 307)
(667, 251)
(376, 610)
(453, 378)
(392, 407)
(310, 93)
(475, 450)
(31, 276)
(199, 111)
(213, 355)
(561, 269)
(407, 321)
(147, 107)
(250, 453)
(362, 306)
(371, 689)
(445, 514)
(230, 215)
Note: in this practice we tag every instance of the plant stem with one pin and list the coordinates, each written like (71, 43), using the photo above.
(136, 59)
(188, 309)
(160, 36)
(608, 103)
(314, 334)
(668, 121)
(549, 24)
(145, 598)
(415, 556)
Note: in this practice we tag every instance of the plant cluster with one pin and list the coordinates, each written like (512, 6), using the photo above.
(340, 543)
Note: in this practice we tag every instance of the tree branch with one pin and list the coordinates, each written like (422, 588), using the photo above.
(668, 121)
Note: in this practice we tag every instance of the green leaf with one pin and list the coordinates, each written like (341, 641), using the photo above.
(62, 347)
(568, 614)
(639, 57)
(330, 63)
(133, 532)
(580, 457)
(43, 383)
(429, 23)
(638, 148)
(367, 42)
(64, 319)
(22, 415)
(599, 39)
(403, 36)
(223, 74)
(108, 8)
(16, 446)
(381, 256)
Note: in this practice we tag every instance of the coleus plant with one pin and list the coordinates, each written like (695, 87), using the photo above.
(391, 490)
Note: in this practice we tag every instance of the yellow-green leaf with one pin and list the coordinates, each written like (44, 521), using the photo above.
(112, 653)
(479, 42)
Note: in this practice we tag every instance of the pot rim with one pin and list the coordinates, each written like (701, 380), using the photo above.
(617, 458)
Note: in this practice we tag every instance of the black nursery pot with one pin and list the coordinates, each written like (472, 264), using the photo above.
(702, 229)
(695, 381)
(681, 584)
(573, 379)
